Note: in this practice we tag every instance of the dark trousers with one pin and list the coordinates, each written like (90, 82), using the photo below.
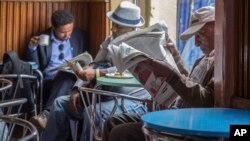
(123, 127)
(61, 85)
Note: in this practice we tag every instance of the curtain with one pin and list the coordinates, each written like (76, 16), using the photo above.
(187, 49)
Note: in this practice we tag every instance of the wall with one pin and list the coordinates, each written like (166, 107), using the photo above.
(165, 10)
(21, 19)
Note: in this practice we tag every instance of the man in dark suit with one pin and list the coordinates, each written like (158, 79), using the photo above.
(65, 42)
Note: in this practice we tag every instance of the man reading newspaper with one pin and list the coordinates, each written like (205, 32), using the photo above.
(131, 48)
(194, 90)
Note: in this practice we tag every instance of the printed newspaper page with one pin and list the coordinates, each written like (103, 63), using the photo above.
(127, 57)
(131, 48)
(157, 86)
(74, 63)
(149, 41)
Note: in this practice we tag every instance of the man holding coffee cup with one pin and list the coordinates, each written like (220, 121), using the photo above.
(50, 49)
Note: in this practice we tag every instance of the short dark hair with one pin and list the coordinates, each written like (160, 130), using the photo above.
(61, 17)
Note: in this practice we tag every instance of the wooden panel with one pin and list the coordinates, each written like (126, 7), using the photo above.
(232, 67)
(3, 29)
(59, 0)
(16, 28)
(225, 56)
(219, 49)
(21, 19)
(9, 25)
(98, 25)
(23, 27)
(242, 95)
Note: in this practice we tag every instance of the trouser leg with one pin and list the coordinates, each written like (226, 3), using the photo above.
(62, 85)
(58, 122)
(116, 120)
(58, 126)
(127, 132)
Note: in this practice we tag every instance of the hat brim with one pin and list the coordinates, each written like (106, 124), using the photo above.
(191, 31)
(110, 13)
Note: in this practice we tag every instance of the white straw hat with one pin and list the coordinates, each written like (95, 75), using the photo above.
(198, 19)
(126, 14)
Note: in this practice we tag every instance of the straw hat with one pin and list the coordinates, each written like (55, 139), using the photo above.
(198, 19)
(126, 14)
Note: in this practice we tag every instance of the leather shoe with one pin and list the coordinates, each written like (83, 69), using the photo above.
(40, 121)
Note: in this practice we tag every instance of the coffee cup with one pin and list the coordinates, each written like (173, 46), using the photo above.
(43, 40)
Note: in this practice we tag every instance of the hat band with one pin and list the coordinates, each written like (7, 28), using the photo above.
(126, 21)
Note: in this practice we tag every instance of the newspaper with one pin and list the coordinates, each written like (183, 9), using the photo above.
(82, 60)
(149, 41)
(127, 51)
(74, 66)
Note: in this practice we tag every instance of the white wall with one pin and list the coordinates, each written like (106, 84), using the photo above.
(160, 10)
(165, 10)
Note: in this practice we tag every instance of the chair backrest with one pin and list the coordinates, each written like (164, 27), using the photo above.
(5, 84)
(23, 86)
(8, 122)
(15, 69)
(91, 97)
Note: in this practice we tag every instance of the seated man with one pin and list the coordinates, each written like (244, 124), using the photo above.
(196, 90)
(125, 18)
(65, 43)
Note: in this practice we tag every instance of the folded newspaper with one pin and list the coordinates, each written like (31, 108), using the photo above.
(129, 49)
(69, 65)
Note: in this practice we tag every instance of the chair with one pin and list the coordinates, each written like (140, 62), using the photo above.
(153, 135)
(93, 96)
(9, 123)
(9, 126)
(23, 86)
(5, 84)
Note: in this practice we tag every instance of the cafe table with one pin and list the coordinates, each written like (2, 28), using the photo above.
(119, 82)
(202, 122)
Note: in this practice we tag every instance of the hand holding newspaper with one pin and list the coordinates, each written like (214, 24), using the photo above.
(75, 67)
(132, 50)
(149, 41)
(76, 63)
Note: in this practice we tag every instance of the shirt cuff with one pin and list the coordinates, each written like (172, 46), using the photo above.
(32, 49)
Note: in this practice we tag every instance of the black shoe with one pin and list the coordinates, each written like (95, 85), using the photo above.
(40, 121)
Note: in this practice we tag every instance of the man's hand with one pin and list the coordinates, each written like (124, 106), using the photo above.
(171, 47)
(86, 74)
(34, 41)
(75, 100)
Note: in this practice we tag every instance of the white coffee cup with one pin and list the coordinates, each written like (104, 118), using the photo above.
(43, 40)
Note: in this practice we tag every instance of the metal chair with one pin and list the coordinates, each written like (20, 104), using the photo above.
(5, 84)
(9, 123)
(9, 126)
(153, 135)
(20, 81)
(93, 96)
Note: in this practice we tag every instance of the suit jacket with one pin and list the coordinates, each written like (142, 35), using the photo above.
(42, 54)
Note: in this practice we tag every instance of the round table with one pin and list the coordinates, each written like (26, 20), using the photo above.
(205, 122)
(119, 82)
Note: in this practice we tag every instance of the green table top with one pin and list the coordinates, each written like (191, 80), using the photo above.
(119, 82)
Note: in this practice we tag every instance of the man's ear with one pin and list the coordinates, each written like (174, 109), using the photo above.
(53, 29)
